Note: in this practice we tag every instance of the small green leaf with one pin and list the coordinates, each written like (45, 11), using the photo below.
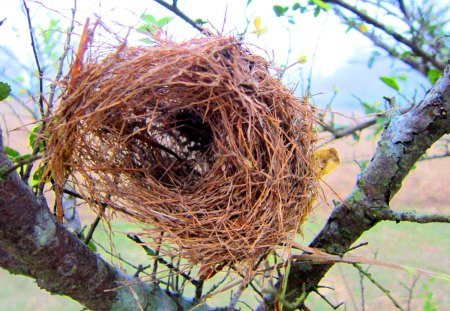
(164, 21)
(434, 75)
(356, 136)
(12, 154)
(296, 6)
(5, 90)
(200, 21)
(317, 11)
(37, 176)
(280, 10)
(32, 139)
(248, 2)
(391, 82)
(92, 246)
(148, 18)
(405, 54)
(321, 4)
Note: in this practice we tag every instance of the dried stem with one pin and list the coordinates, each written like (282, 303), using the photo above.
(384, 290)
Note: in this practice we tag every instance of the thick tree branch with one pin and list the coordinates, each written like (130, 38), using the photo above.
(11, 264)
(33, 243)
(404, 141)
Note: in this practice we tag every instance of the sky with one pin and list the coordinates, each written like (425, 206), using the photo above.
(337, 59)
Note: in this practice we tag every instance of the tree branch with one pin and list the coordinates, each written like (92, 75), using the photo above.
(372, 21)
(174, 9)
(404, 140)
(388, 214)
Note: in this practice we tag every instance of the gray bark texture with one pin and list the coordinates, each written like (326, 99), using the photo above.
(405, 139)
(34, 244)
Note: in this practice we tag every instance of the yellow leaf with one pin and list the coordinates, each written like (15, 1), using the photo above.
(302, 59)
(257, 22)
(260, 31)
(326, 160)
(363, 27)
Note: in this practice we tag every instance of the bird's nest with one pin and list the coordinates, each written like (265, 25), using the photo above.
(196, 140)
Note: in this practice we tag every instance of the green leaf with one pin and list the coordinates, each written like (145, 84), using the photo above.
(391, 82)
(149, 19)
(37, 176)
(296, 6)
(434, 75)
(164, 21)
(33, 137)
(92, 246)
(5, 90)
(321, 4)
(356, 136)
(280, 10)
(248, 2)
(200, 21)
(370, 108)
(12, 154)
(405, 54)
(317, 11)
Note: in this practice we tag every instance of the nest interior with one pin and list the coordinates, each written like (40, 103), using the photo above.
(196, 139)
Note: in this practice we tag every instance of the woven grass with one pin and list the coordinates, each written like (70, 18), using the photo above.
(197, 140)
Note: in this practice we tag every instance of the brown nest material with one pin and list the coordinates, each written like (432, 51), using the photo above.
(197, 140)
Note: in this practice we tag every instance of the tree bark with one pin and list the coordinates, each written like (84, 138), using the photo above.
(405, 139)
(33, 243)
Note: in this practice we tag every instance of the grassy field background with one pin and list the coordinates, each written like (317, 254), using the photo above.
(421, 246)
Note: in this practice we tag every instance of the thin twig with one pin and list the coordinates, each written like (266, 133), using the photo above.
(63, 56)
(357, 246)
(174, 9)
(335, 307)
(410, 290)
(171, 267)
(384, 290)
(20, 164)
(94, 226)
(36, 58)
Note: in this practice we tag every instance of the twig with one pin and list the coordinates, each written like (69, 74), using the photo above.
(36, 58)
(63, 56)
(357, 246)
(215, 286)
(94, 226)
(20, 164)
(361, 286)
(410, 290)
(384, 290)
(174, 9)
(140, 269)
(120, 258)
(335, 307)
(388, 214)
(171, 267)
(339, 133)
